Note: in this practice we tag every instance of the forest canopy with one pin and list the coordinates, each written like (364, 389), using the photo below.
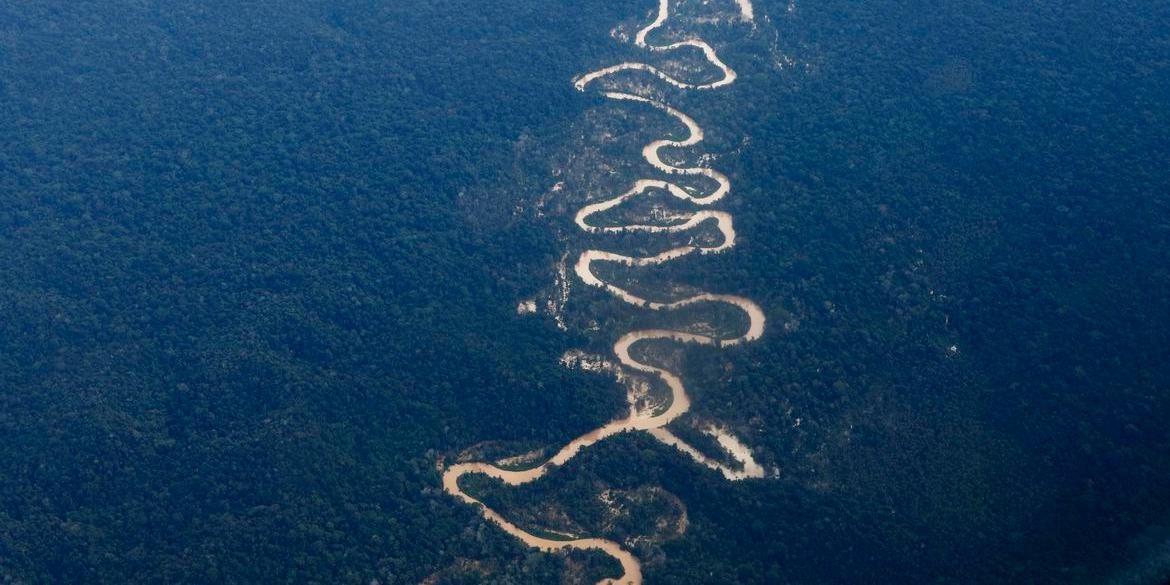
(260, 264)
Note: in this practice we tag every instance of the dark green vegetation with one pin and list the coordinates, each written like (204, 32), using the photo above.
(258, 265)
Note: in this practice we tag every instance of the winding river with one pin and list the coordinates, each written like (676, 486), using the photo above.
(653, 421)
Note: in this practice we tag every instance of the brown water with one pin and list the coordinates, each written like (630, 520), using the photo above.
(654, 423)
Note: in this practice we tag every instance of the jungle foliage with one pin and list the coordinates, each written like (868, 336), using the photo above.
(259, 263)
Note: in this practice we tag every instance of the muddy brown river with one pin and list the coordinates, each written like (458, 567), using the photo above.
(652, 422)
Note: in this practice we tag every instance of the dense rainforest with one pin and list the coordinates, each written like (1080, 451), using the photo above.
(260, 263)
